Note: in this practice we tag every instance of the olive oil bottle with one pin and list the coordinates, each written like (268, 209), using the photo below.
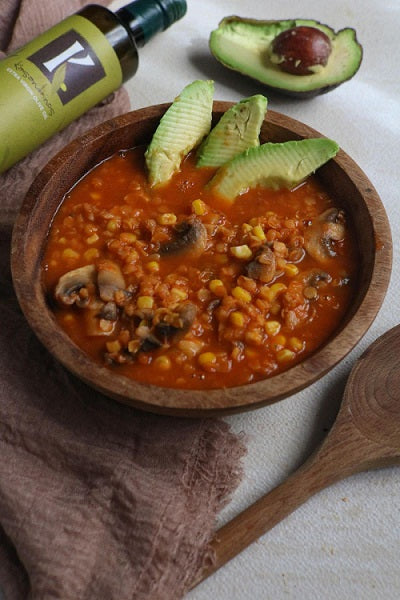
(70, 68)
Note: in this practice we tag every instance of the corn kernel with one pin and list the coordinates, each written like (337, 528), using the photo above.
(113, 347)
(199, 207)
(295, 344)
(217, 287)
(237, 318)
(163, 363)
(291, 270)
(62, 240)
(92, 239)
(237, 354)
(69, 253)
(259, 232)
(251, 353)
(95, 195)
(243, 252)
(207, 359)
(190, 348)
(106, 326)
(285, 355)
(275, 308)
(153, 266)
(279, 340)
(246, 228)
(241, 294)
(272, 327)
(131, 257)
(310, 292)
(179, 294)
(145, 302)
(167, 219)
(273, 291)
(112, 225)
(91, 254)
(133, 346)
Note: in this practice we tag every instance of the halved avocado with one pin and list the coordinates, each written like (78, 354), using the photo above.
(244, 45)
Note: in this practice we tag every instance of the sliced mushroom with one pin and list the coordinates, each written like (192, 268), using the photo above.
(150, 343)
(95, 325)
(71, 283)
(315, 277)
(263, 265)
(327, 228)
(109, 280)
(175, 323)
(109, 311)
(189, 237)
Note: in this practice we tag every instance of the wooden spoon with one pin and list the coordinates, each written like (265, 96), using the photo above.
(365, 435)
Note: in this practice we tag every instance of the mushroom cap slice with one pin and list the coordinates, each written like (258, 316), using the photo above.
(263, 265)
(325, 229)
(175, 323)
(109, 280)
(69, 285)
(189, 236)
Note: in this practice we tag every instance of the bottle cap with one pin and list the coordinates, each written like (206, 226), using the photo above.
(145, 18)
(173, 10)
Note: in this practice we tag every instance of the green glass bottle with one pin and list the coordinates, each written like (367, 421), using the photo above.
(70, 68)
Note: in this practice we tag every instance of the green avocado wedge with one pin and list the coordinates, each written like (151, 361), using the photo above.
(244, 45)
(182, 127)
(238, 129)
(272, 165)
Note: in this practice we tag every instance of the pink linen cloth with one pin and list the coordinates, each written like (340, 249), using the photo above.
(97, 500)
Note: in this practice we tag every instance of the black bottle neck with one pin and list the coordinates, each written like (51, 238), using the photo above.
(145, 18)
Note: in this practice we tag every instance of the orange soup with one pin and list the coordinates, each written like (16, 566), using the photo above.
(173, 287)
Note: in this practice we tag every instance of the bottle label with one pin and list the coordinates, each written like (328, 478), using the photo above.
(50, 82)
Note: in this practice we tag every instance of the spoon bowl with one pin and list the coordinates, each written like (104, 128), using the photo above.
(365, 435)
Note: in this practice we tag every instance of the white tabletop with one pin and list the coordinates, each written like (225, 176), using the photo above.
(345, 541)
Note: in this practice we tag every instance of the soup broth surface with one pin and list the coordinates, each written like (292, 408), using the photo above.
(172, 286)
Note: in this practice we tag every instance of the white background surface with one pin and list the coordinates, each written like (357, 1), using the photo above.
(345, 542)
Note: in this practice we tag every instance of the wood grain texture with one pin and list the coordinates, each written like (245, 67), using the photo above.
(347, 183)
(365, 435)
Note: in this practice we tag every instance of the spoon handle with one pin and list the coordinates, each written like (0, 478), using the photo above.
(332, 461)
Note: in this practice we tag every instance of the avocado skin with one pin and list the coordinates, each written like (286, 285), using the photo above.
(300, 94)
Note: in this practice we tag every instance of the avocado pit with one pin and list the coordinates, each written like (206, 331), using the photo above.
(296, 57)
(301, 50)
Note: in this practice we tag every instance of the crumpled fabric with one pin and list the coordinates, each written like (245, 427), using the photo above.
(97, 500)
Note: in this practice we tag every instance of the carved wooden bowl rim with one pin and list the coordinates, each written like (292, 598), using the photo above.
(345, 180)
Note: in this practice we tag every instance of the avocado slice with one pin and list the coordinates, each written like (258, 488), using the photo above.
(244, 45)
(272, 165)
(182, 127)
(238, 129)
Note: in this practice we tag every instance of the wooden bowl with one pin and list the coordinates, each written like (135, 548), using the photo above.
(341, 176)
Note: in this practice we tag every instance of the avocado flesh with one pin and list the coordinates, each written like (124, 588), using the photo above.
(238, 129)
(272, 165)
(182, 127)
(244, 45)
